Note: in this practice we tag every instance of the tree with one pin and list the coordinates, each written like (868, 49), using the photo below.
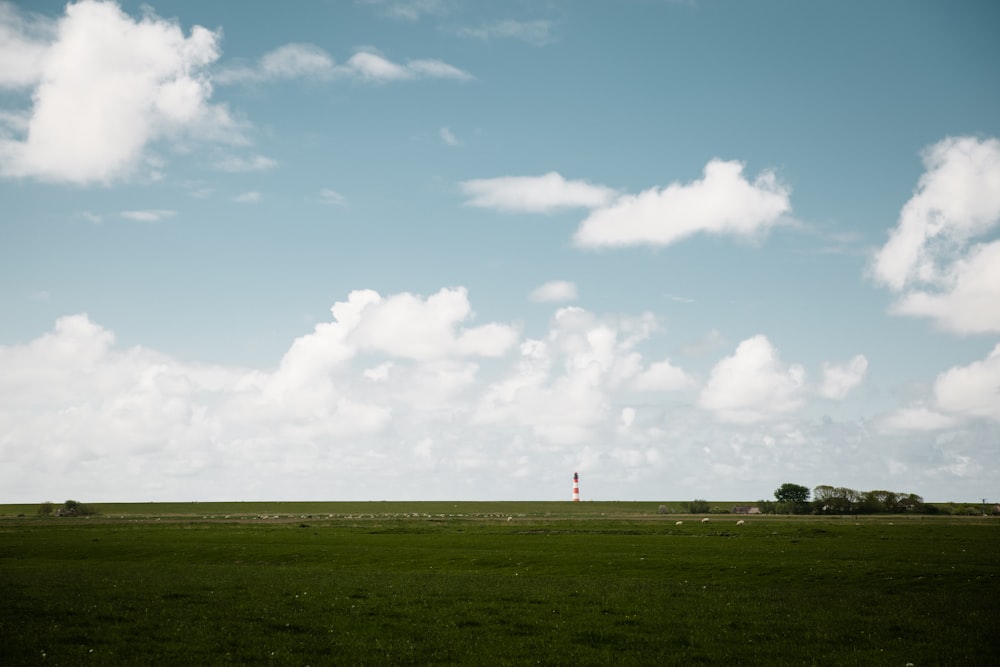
(46, 508)
(792, 498)
(792, 493)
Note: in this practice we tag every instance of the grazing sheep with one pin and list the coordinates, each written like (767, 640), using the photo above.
(740, 522)
(705, 520)
(678, 523)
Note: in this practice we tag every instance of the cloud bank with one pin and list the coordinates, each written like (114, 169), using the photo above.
(403, 396)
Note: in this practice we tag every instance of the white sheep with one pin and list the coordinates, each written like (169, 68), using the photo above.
(705, 520)
(740, 522)
(678, 523)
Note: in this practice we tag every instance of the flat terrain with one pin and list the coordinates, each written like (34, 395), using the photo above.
(498, 583)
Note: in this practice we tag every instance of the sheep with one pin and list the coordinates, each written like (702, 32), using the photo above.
(740, 522)
(705, 520)
(678, 523)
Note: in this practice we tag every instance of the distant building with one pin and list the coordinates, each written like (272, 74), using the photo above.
(746, 509)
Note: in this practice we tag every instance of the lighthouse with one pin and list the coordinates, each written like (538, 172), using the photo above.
(576, 488)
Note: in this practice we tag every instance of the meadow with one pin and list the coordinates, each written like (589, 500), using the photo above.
(498, 583)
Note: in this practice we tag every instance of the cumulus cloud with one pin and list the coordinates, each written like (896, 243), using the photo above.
(960, 395)
(562, 387)
(104, 87)
(967, 303)
(536, 194)
(932, 259)
(663, 376)
(554, 291)
(840, 379)
(722, 202)
(753, 384)
(973, 390)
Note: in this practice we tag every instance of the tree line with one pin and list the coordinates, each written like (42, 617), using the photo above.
(825, 499)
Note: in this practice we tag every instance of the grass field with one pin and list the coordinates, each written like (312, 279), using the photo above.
(492, 583)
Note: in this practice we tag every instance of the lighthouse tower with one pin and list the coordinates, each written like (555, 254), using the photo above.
(576, 488)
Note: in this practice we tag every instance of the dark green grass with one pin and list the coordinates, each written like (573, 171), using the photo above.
(474, 588)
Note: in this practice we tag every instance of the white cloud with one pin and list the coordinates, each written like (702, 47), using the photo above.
(840, 379)
(554, 291)
(536, 194)
(328, 196)
(562, 387)
(448, 137)
(149, 215)
(663, 376)
(234, 163)
(722, 202)
(917, 418)
(968, 304)
(371, 66)
(753, 384)
(247, 198)
(961, 395)
(536, 33)
(407, 326)
(930, 259)
(24, 41)
(973, 390)
(291, 61)
(107, 86)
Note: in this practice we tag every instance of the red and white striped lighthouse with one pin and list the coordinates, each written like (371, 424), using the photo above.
(576, 488)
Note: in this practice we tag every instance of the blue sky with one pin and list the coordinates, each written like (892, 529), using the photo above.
(436, 249)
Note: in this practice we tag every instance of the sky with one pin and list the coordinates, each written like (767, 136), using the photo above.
(455, 250)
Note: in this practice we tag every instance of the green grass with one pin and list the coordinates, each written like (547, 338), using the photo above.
(456, 583)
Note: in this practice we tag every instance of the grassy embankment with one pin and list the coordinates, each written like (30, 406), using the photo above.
(459, 583)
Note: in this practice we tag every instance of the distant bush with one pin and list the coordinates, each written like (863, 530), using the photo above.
(46, 509)
(75, 508)
(662, 509)
(698, 506)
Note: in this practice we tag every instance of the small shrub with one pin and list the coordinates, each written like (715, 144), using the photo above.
(46, 509)
(698, 506)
